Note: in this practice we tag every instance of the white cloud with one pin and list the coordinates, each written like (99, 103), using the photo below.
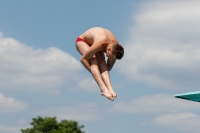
(1, 34)
(163, 49)
(11, 129)
(9, 104)
(187, 122)
(22, 121)
(88, 84)
(80, 112)
(23, 67)
(155, 104)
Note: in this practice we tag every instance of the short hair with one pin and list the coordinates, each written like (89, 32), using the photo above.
(118, 51)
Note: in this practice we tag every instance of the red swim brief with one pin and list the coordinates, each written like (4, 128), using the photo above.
(79, 39)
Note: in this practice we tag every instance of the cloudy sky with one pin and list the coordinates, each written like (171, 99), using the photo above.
(40, 72)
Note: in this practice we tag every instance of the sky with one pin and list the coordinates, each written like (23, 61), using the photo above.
(41, 73)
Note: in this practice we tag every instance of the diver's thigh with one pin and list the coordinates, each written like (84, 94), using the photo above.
(82, 47)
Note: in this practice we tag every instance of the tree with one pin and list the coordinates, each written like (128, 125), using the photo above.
(50, 125)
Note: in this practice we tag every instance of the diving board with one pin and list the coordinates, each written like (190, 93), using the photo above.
(192, 96)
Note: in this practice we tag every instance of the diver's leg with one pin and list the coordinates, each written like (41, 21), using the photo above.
(98, 78)
(82, 47)
(105, 73)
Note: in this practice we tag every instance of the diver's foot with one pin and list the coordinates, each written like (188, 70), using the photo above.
(107, 95)
(114, 95)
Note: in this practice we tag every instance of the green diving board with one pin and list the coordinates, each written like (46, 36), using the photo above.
(192, 96)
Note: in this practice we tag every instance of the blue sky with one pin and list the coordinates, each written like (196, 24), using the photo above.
(41, 74)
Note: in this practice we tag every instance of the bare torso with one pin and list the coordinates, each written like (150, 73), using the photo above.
(97, 34)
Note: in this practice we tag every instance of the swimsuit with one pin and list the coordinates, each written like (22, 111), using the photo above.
(79, 39)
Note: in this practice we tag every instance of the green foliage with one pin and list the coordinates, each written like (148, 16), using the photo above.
(50, 125)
